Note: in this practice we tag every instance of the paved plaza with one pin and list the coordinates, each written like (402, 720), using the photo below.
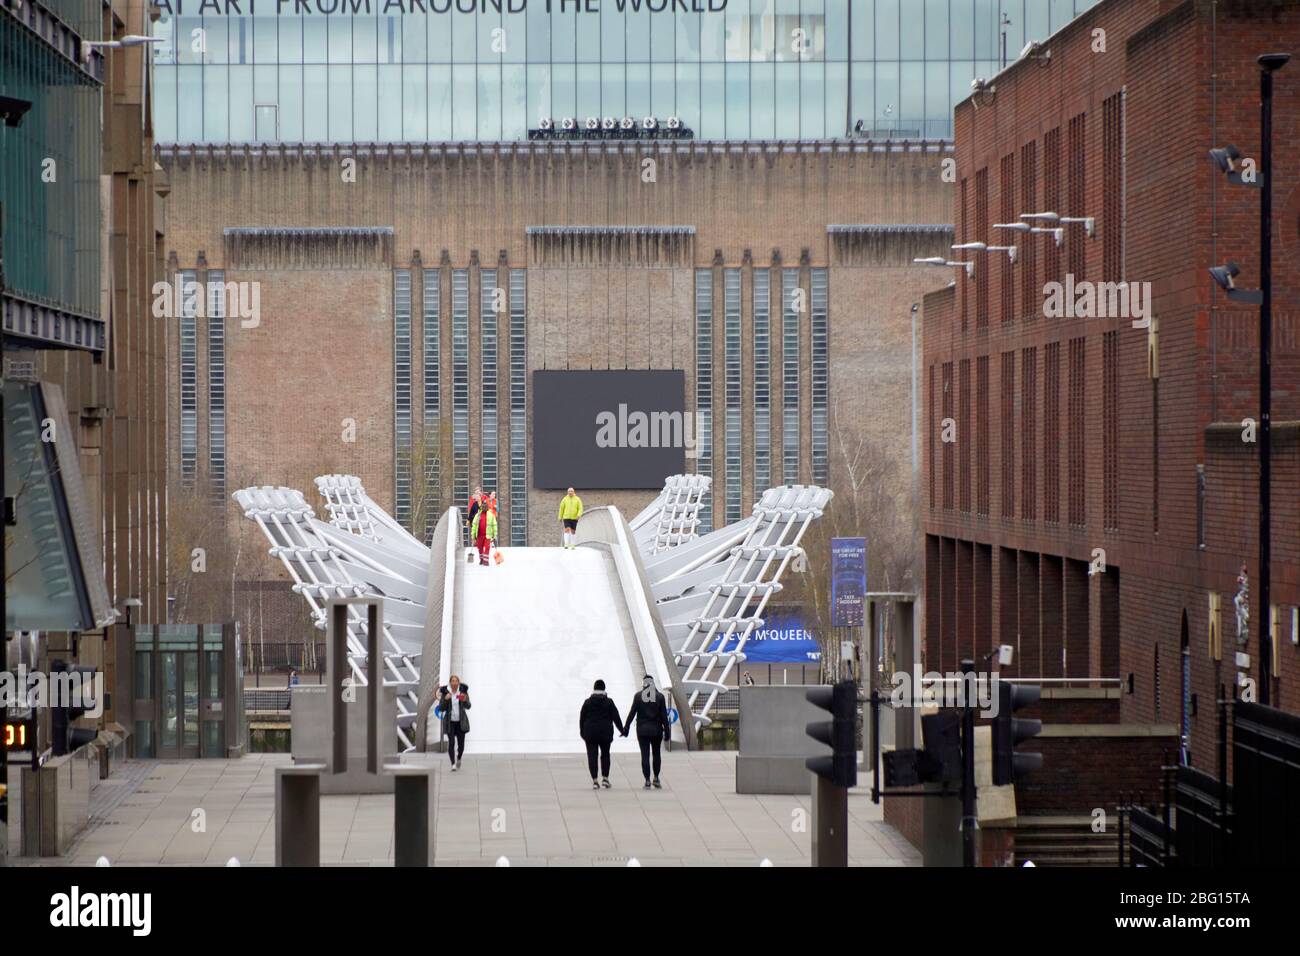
(534, 810)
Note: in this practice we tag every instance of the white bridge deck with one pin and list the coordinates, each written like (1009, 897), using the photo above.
(532, 635)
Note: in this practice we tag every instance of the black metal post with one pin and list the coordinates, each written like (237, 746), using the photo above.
(968, 822)
(1268, 64)
(875, 746)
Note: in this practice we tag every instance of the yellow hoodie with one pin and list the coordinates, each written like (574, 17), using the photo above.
(570, 508)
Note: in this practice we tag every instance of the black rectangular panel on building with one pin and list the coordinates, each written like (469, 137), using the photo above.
(609, 429)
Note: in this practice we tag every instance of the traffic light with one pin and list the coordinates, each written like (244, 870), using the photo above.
(64, 738)
(938, 762)
(1009, 730)
(841, 767)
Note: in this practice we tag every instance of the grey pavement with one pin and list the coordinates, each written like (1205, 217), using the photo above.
(535, 810)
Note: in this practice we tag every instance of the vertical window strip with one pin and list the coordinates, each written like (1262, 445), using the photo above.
(1052, 432)
(982, 435)
(1030, 295)
(821, 378)
(518, 407)
(731, 387)
(1006, 213)
(1008, 434)
(488, 349)
(460, 385)
(217, 386)
(790, 376)
(402, 395)
(1029, 434)
(1110, 428)
(945, 425)
(1078, 404)
(431, 452)
(964, 438)
(704, 386)
(189, 425)
(1075, 200)
(981, 235)
(762, 381)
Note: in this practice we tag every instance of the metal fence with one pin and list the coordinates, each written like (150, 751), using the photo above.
(268, 657)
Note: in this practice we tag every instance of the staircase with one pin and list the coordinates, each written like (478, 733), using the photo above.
(1065, 841)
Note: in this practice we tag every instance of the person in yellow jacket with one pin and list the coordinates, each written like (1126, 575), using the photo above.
(484, 532)
(570, 512)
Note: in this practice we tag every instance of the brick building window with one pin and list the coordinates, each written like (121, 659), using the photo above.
(1006, 213)
(1155, 456)
(189, 364)
(982, 435)
(460, 386)
(961, 276)
(1052, 432)
(1029, 433)
(1110, 428)
(1008, 423)
(1077, 412)
(944, 433)
(1031, 297)
(790, 376)
(489, 355)
(402, 396)
(819, 336)
(930, 440)
(762, 312)
(965, 437)
(1052, 198)
(1113, 167)
(981, 235)
(704, 386)
(217, 386)
(431, 334)
(1077, 198)
(731, 393)
(518, 407)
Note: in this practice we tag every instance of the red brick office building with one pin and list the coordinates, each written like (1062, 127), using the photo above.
(1095, 499)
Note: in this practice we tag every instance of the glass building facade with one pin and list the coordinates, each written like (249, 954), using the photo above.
(491, 70)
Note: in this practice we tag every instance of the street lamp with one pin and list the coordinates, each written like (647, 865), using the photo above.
(1089, 223)
(985, 247)
(133, 39)
(1225, 158)
(941, 261)
(1057, 233)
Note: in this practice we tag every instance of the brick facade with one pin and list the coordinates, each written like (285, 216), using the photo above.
(1106, 428)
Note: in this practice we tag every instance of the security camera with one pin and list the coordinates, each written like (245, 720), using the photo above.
(1225, 157)
(1223, 276)
(1029, 48)
(1005, 652)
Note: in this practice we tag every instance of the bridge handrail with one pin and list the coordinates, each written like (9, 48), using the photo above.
(606, 524)
(440, 604)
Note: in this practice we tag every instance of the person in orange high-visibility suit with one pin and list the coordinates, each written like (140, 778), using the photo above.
(485, 531)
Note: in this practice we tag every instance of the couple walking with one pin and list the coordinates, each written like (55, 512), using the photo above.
(599, 718)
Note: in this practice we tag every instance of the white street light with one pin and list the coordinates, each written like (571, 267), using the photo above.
(132, 39)
(941, 261)
(1057, 234)
(1088, 222)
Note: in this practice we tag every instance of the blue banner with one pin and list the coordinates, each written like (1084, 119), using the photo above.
(848, 581)
(783, 639)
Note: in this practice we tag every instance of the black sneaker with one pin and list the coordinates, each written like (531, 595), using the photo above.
(647, 785)
(605, 783)
(658, 785)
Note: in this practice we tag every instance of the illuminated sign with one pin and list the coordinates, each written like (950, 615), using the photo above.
(18, 735)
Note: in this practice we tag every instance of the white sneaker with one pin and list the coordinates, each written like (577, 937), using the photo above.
(455, 767)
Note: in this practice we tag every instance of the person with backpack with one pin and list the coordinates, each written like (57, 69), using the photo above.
(650, 708)
(484, 533)
(596, 723)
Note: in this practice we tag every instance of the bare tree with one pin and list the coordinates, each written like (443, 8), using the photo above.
(873, 499)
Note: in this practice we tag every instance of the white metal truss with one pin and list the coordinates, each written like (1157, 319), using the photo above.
(672, 519)
(711, 593)
(359, 555)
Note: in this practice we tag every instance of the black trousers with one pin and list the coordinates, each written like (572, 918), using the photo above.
(455, 743)
(601, 747)
(649, 744)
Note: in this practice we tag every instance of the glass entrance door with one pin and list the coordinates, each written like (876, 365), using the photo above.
(178, 729)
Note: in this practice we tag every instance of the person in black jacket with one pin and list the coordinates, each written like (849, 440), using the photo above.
(596, 723)
(650, 708)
